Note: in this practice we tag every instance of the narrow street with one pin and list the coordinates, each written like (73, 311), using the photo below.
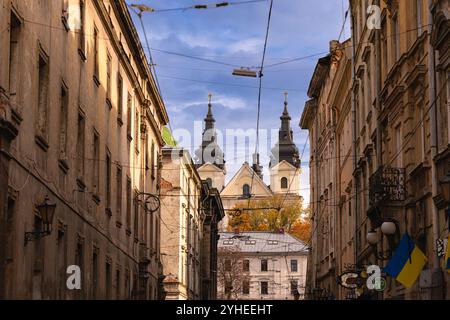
(261, 150)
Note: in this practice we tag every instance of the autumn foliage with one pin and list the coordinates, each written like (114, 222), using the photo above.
(272, 214)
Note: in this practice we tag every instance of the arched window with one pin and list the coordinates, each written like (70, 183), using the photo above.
(284, 183)
(209, 182)
(246, 190)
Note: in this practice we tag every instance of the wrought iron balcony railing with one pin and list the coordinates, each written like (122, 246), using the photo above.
(387, 185)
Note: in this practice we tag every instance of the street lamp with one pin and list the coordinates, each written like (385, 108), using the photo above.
(243, 72)
(46, 212)
(389, 229)
(142, 8)
(372, 237)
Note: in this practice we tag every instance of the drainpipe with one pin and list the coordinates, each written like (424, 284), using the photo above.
(378, 106)
(316, 182)
(378, 81)
(336, 196)
(354, 131)
(433, 127)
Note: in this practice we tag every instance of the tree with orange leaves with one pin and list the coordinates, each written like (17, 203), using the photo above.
(272, 214)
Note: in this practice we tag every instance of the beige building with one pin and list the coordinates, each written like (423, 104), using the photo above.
(80, 123)
(261, 266)
(328, 117)
(398, 133)
(182, 228)
(190, 212)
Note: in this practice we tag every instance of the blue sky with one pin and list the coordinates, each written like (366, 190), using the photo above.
(235, 35)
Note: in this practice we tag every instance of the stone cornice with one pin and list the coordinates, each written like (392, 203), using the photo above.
(319, 75)
(441, 28)
(308, 113)
(135, 46)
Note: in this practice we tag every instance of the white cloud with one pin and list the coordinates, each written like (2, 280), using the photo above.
(249, 45)
(199, 40)
(232, 103)
(228, 102)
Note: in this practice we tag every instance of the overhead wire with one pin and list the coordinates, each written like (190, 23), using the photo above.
(261, 70)
(343, 24)
(269, 65)
(286, 61)
(202, 7)
(229, 84)
(152, 64)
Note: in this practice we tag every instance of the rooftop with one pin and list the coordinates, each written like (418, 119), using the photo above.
(262, 242)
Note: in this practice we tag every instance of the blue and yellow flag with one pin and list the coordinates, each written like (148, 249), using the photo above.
(407, 263)
(447, 256)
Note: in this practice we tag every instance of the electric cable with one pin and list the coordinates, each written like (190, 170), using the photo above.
(201, 7)
(261, 70)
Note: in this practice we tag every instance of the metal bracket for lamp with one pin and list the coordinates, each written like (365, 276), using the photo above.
(151, 202)
(383, 255)
(31, 236)
(388, 229)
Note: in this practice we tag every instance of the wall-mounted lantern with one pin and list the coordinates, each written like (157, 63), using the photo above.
(46, 212)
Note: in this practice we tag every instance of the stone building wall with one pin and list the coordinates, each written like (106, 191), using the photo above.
(88, 118)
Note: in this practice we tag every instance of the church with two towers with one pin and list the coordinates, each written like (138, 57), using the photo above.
(248, 184)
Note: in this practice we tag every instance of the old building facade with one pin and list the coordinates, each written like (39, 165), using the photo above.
(327, 116)
(190, 212)
(182, 230)
(81, 122)
(213, 214)
(261, 266)
(398, 136)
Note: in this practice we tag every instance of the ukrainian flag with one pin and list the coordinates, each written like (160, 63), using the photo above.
(447, 256)
(407, 262)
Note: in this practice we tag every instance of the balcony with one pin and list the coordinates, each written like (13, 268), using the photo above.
(144, 254)
(387, 187)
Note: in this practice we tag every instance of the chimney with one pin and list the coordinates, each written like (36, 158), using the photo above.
(281, 230)
(236, 231)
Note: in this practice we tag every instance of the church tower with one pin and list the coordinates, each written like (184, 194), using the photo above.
(256, 166)
(210, 160)
(284, 161)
